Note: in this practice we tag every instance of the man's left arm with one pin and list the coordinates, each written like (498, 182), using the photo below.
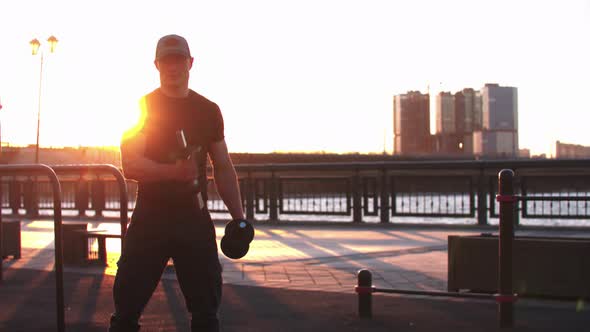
(226, 179)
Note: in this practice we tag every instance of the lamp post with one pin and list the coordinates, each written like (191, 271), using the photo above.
(33, 209)
(35, 47)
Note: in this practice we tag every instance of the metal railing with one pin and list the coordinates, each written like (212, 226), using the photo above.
(43, 170)
(39, 200)
(100, 196)
(359, 192)
(505, 296)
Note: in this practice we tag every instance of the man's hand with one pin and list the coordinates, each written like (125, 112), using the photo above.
(139, 168)
(186, 170)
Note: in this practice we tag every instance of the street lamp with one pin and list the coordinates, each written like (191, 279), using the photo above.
(35, 47)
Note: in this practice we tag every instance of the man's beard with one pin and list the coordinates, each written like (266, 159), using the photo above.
(174, 82)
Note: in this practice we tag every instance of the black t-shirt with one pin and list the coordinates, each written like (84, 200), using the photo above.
(202, 123)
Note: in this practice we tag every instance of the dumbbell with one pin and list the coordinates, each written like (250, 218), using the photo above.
(236, 240)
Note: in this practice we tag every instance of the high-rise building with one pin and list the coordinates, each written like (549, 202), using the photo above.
(476, 104)
(445, 113)
(469, 102)
(499, 107)
(446, 140)
(571, 151)
(468, 117)
(411, 123)
(499, 134)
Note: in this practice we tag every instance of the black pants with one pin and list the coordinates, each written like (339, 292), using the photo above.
(153, 238)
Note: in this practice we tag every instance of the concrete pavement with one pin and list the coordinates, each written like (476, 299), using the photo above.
(300, 256)
(308, 257)
(295, 277)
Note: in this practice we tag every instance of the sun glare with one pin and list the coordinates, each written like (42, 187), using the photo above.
(136, 119)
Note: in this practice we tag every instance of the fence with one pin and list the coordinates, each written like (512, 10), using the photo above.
(505, 296)
(356, 192)
(45, 171)
(53, 190)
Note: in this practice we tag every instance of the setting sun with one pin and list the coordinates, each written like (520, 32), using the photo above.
(136, 120)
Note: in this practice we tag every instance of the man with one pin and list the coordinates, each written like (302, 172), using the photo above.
(170, 219)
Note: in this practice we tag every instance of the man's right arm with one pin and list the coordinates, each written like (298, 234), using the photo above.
(139, 168)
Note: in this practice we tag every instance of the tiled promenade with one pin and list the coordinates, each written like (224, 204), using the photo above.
(293, 258)
(310, 257)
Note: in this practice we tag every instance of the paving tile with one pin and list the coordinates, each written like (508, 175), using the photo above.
(307, 257)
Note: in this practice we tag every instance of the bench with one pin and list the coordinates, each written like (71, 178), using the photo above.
(78, 241)
(100, 236)
(74, 245)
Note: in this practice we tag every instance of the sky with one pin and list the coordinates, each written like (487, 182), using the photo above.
(294, 76)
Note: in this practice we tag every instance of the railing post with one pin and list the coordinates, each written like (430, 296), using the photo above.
(98, 196)
(14, 196)
(249, 187)
(482, 203)
(516, 217)
(31, 198)
(384, 199)
(82, 196)
(507, 200)
(273, 196)
(357, 203)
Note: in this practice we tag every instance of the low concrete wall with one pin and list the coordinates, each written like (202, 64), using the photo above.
(557, 267)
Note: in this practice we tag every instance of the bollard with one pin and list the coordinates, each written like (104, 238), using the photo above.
(364, 289)
(505, 297)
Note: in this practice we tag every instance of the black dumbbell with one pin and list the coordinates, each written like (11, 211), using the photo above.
(235, 243)
(234, 249)
(240, 228)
